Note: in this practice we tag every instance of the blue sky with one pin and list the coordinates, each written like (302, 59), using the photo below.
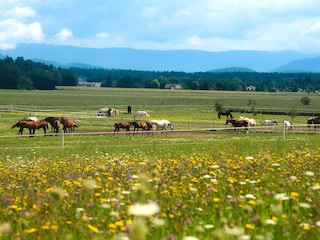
(211, 25)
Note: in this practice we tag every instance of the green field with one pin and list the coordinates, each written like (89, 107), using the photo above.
(198, 184)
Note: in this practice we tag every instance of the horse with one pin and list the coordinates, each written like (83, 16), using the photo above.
(145, 126)
(141, 114)
(239, 123)
(315, 122)
(252, 122)
(32, 126)
(33, 119)
(56, 125)
(53, 123)
(226, 113)
(123, 125)
(103, 112)
(269, 122)
(162, 124)
(68, 124)
(287, 125)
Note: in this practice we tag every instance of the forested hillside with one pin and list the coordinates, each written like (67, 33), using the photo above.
(26, 74)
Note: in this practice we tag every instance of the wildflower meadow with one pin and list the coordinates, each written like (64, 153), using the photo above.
(158, 187)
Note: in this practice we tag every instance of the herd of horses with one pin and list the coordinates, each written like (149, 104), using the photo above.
(68, 125)
(32, 124)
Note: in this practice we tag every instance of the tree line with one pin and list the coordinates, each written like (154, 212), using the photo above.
(27, 74)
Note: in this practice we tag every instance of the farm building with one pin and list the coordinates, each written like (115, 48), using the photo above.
(172, 86)
(89, 84)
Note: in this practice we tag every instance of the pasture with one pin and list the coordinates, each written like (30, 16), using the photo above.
(190, 183)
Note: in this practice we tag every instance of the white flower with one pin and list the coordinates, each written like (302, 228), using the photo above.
(208, 226)
(249, 158)
(275, 165)
(144, 209)
(270, 222)
(244, 237)
(190, 238)
(309, 173)
(304, 205)
(206, 176)
(215, 166)
(316, 187)
(318, 224)
(251, 196)
(281, 196)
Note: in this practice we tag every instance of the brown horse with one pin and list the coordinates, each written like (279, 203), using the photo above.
(53, 123)
(123, 125)
(226, 113)
(32, 126)
(145, 126)
(240, 123)
(68, 124)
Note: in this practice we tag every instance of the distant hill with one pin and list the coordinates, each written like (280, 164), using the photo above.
(301, 65)
(155, 60)
(232, 69)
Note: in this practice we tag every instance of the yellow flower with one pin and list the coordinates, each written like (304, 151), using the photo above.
(93, 228)
(31, 230)
(216, 199)
(294, 194)
(249, 226)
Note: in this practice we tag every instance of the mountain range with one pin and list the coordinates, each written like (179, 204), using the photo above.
(167, 60)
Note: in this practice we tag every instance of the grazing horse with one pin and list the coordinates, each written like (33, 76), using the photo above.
(145, 126)
(226, 113)
(252, 122)
(315, 122)
(287, 125)
(32, 126)
(269, 122)
(53, 123)
(162, 124)
(68, 124)
(123, 125)
(239, 123)
(141, 114)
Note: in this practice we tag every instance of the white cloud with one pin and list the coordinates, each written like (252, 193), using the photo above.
(21, 12)
(102, 35)
(13, 32)
(63, 35)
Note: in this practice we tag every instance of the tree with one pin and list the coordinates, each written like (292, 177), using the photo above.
(218, 106)
(293, 113)
(252, 104)
(305, 100)
(155, 83)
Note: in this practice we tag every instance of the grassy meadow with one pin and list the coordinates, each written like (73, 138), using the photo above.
(199, 184)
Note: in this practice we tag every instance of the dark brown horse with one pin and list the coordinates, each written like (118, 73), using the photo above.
(123, 125)
(32, 126)
(53, 123)
(239, 123)
(315, 122)
(226, 113)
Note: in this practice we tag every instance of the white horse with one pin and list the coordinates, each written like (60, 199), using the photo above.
(162, 124)
(269, 122)
(288, 125)
(252, 122)
(103, 112)
(35, 119)
(141, 114)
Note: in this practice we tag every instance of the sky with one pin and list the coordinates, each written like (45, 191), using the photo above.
(209, 25)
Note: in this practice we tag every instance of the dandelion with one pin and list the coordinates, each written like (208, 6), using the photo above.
(249, 226)
(305, 226)
(294, 194)
(31, 230)
(144, 209)
(93, 228)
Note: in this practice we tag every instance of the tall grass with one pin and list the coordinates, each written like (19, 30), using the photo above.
(213, 185)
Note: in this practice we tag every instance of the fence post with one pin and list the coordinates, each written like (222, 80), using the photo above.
(283, 131)
(62, 139)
